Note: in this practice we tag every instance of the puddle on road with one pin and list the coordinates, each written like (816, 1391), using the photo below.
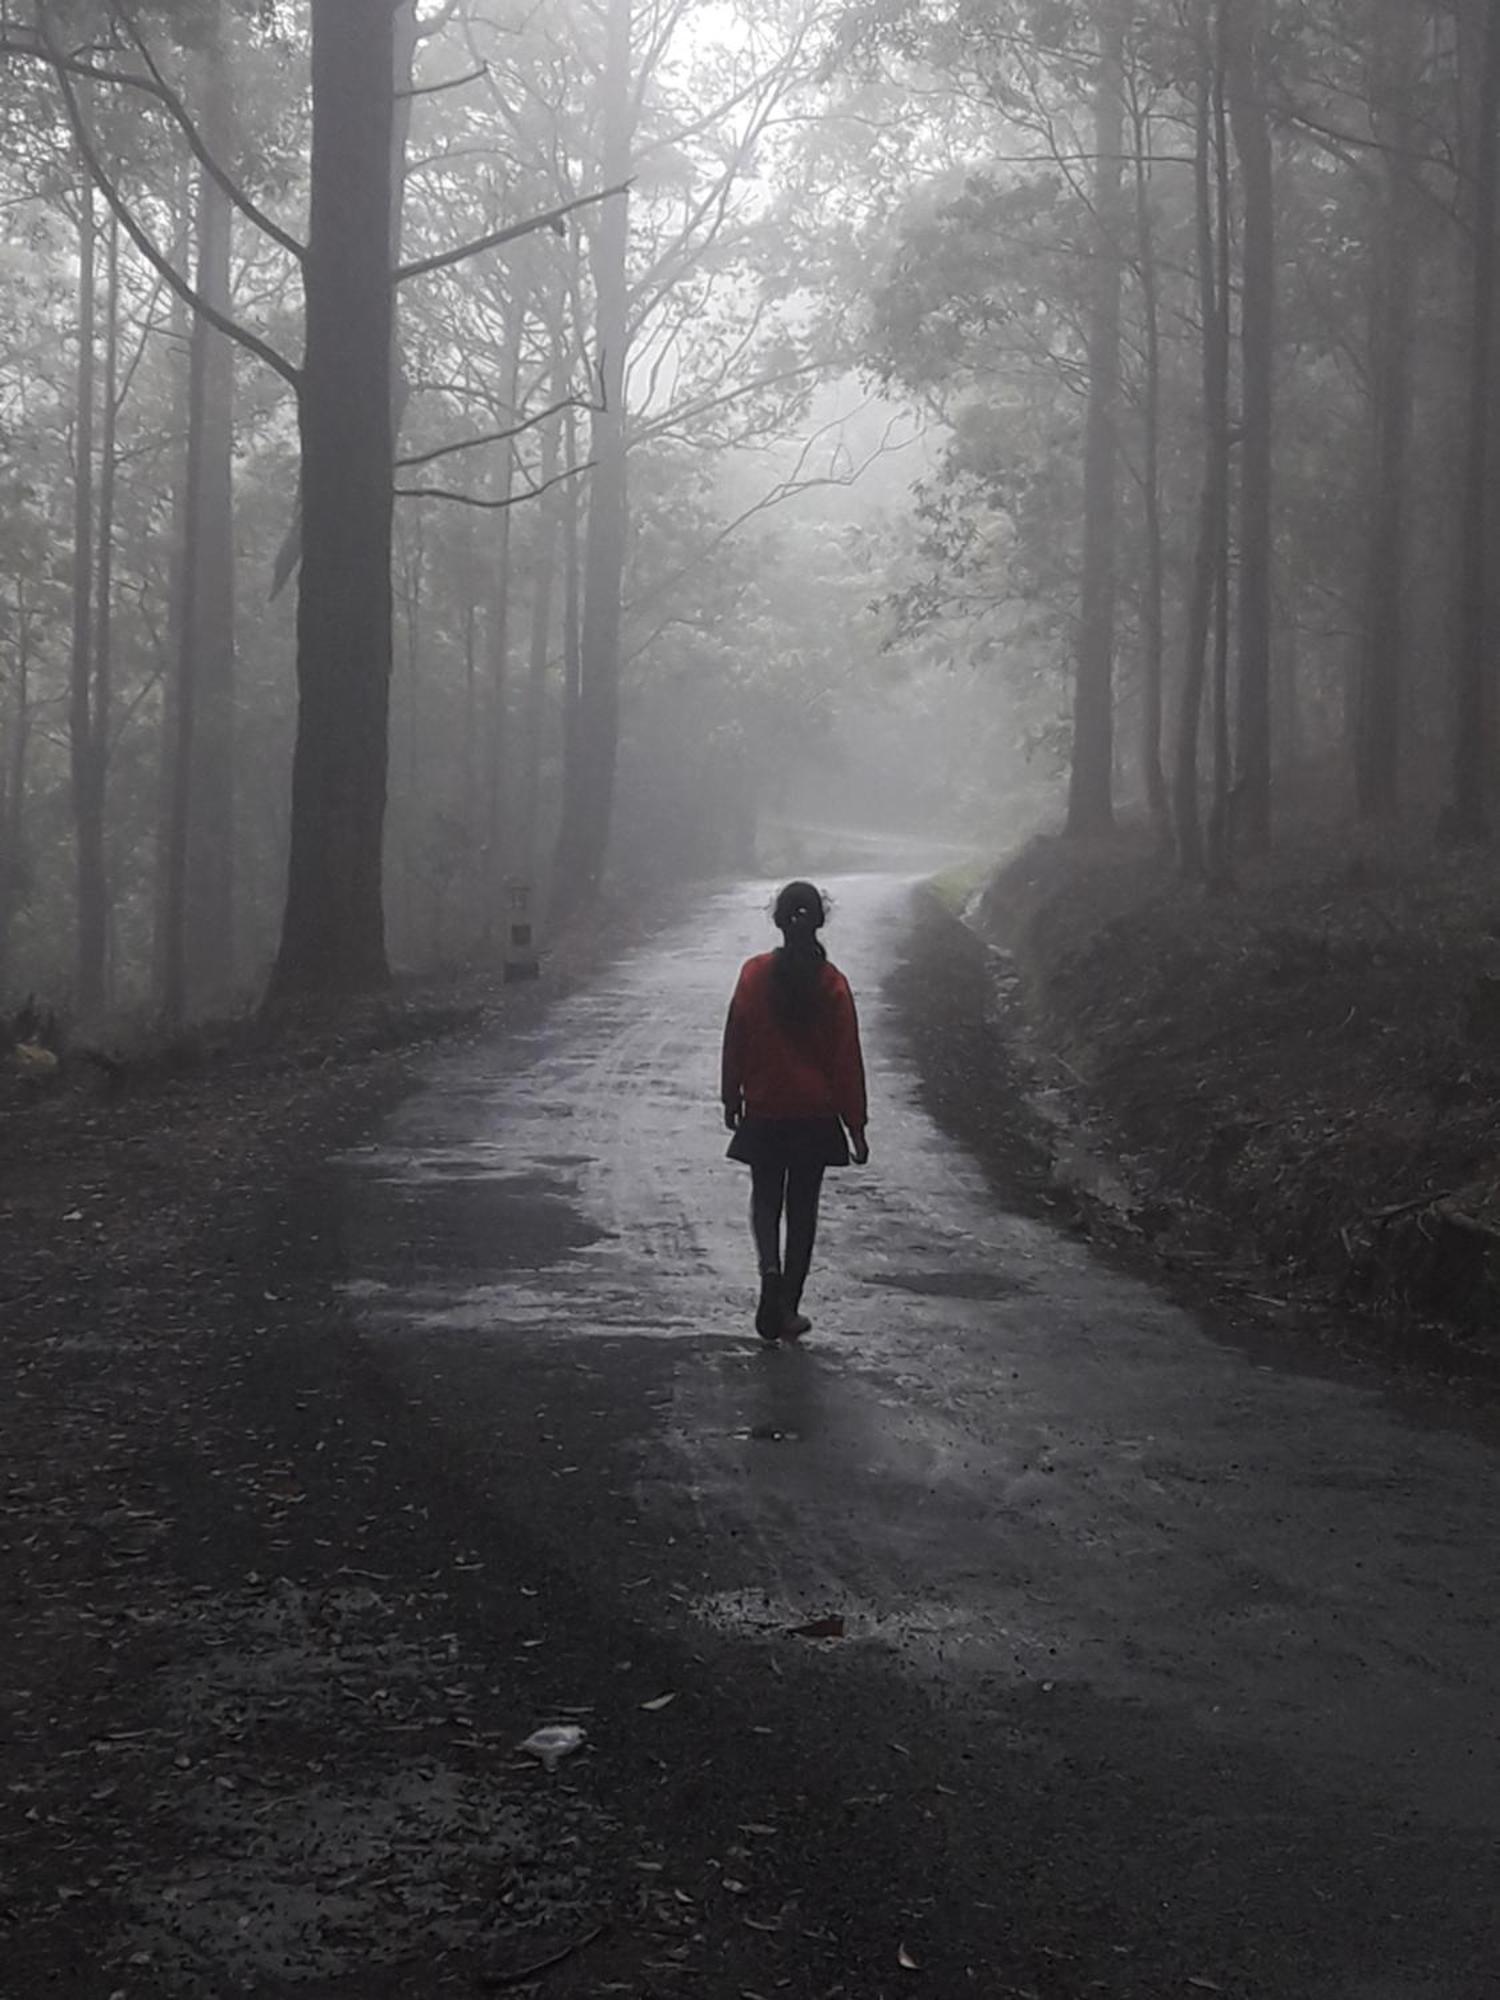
(979, 1286)
(466, 1225)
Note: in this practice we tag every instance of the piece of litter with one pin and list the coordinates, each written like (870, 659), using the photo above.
(906, 1961)
(662, 1701)
(550, 1745)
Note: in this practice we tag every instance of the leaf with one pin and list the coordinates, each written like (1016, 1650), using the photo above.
(906, 1961)
(662, 1701)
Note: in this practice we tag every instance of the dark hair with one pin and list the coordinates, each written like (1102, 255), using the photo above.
(796, 975)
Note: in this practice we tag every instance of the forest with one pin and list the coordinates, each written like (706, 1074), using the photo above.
(524, 444)
(884, 605)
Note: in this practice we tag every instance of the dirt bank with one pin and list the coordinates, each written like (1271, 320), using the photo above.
(1297, 1081)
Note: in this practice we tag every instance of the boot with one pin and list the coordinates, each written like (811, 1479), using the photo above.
(770, 1313)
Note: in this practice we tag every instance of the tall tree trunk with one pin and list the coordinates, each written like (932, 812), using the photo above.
(101, 727)
(588, 805)
(572, 677)
(1392, 333)
(1214, 313)
(1246, 77)
(1467, 816)
(17, 744)
(497, 749)
(1220, 851)
(1376, 734)
(473, 870)
(180, 343)
(209, 622)
(333, 930)
(88, 823)
(529, 762)
(1153, 617)
(1091, 781)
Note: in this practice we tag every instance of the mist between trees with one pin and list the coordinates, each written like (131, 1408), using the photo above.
(455, 444)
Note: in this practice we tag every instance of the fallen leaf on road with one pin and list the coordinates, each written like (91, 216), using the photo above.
(905, 1959)
(662, 1701)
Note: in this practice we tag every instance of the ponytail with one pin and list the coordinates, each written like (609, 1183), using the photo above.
(797, 968)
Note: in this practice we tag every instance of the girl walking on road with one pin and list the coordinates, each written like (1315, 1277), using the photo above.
(794, 1097)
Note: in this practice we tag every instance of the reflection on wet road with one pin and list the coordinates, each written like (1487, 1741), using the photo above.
(994, 1456)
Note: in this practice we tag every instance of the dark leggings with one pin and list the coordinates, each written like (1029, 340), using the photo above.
(796, 1189)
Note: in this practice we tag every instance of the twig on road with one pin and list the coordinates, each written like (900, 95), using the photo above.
(493, 1982)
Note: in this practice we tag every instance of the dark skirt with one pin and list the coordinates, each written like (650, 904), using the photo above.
(790, 1142)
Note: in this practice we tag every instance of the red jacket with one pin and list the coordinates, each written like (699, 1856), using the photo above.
(778, 1069)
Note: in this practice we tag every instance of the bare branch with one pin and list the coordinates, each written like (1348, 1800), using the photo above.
(693, 411)
(156, 86)
(183, 119)
(551, 219)
(418, 458)
(173, 279)
(491, 506)
(789, 488)
(448, 83)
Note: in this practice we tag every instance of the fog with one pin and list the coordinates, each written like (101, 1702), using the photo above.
(812, 425)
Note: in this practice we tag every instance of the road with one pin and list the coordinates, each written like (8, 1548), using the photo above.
(1167, 1667)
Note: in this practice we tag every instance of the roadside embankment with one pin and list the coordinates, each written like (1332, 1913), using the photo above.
(1299, 1078)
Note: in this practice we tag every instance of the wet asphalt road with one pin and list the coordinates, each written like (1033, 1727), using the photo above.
(1184, 1663)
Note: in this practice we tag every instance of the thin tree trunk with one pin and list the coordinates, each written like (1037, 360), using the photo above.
(88, 830)
(13, 791)
(529, 773)
(588, 805)
(496, 758)
(1467, 816)
(174, 989)
(572, 689)
(1186, 808)
(102, 699)
(333, 930)
(210, 833)
(1153, 618)
(415, 884)
(180, 344)
(473, 873)
(1220, 854)
(1249, 117)
(1091, 779)
(1392, 333)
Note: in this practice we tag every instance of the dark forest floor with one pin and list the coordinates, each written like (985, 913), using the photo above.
(1296, 1083)
(232, 1702)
